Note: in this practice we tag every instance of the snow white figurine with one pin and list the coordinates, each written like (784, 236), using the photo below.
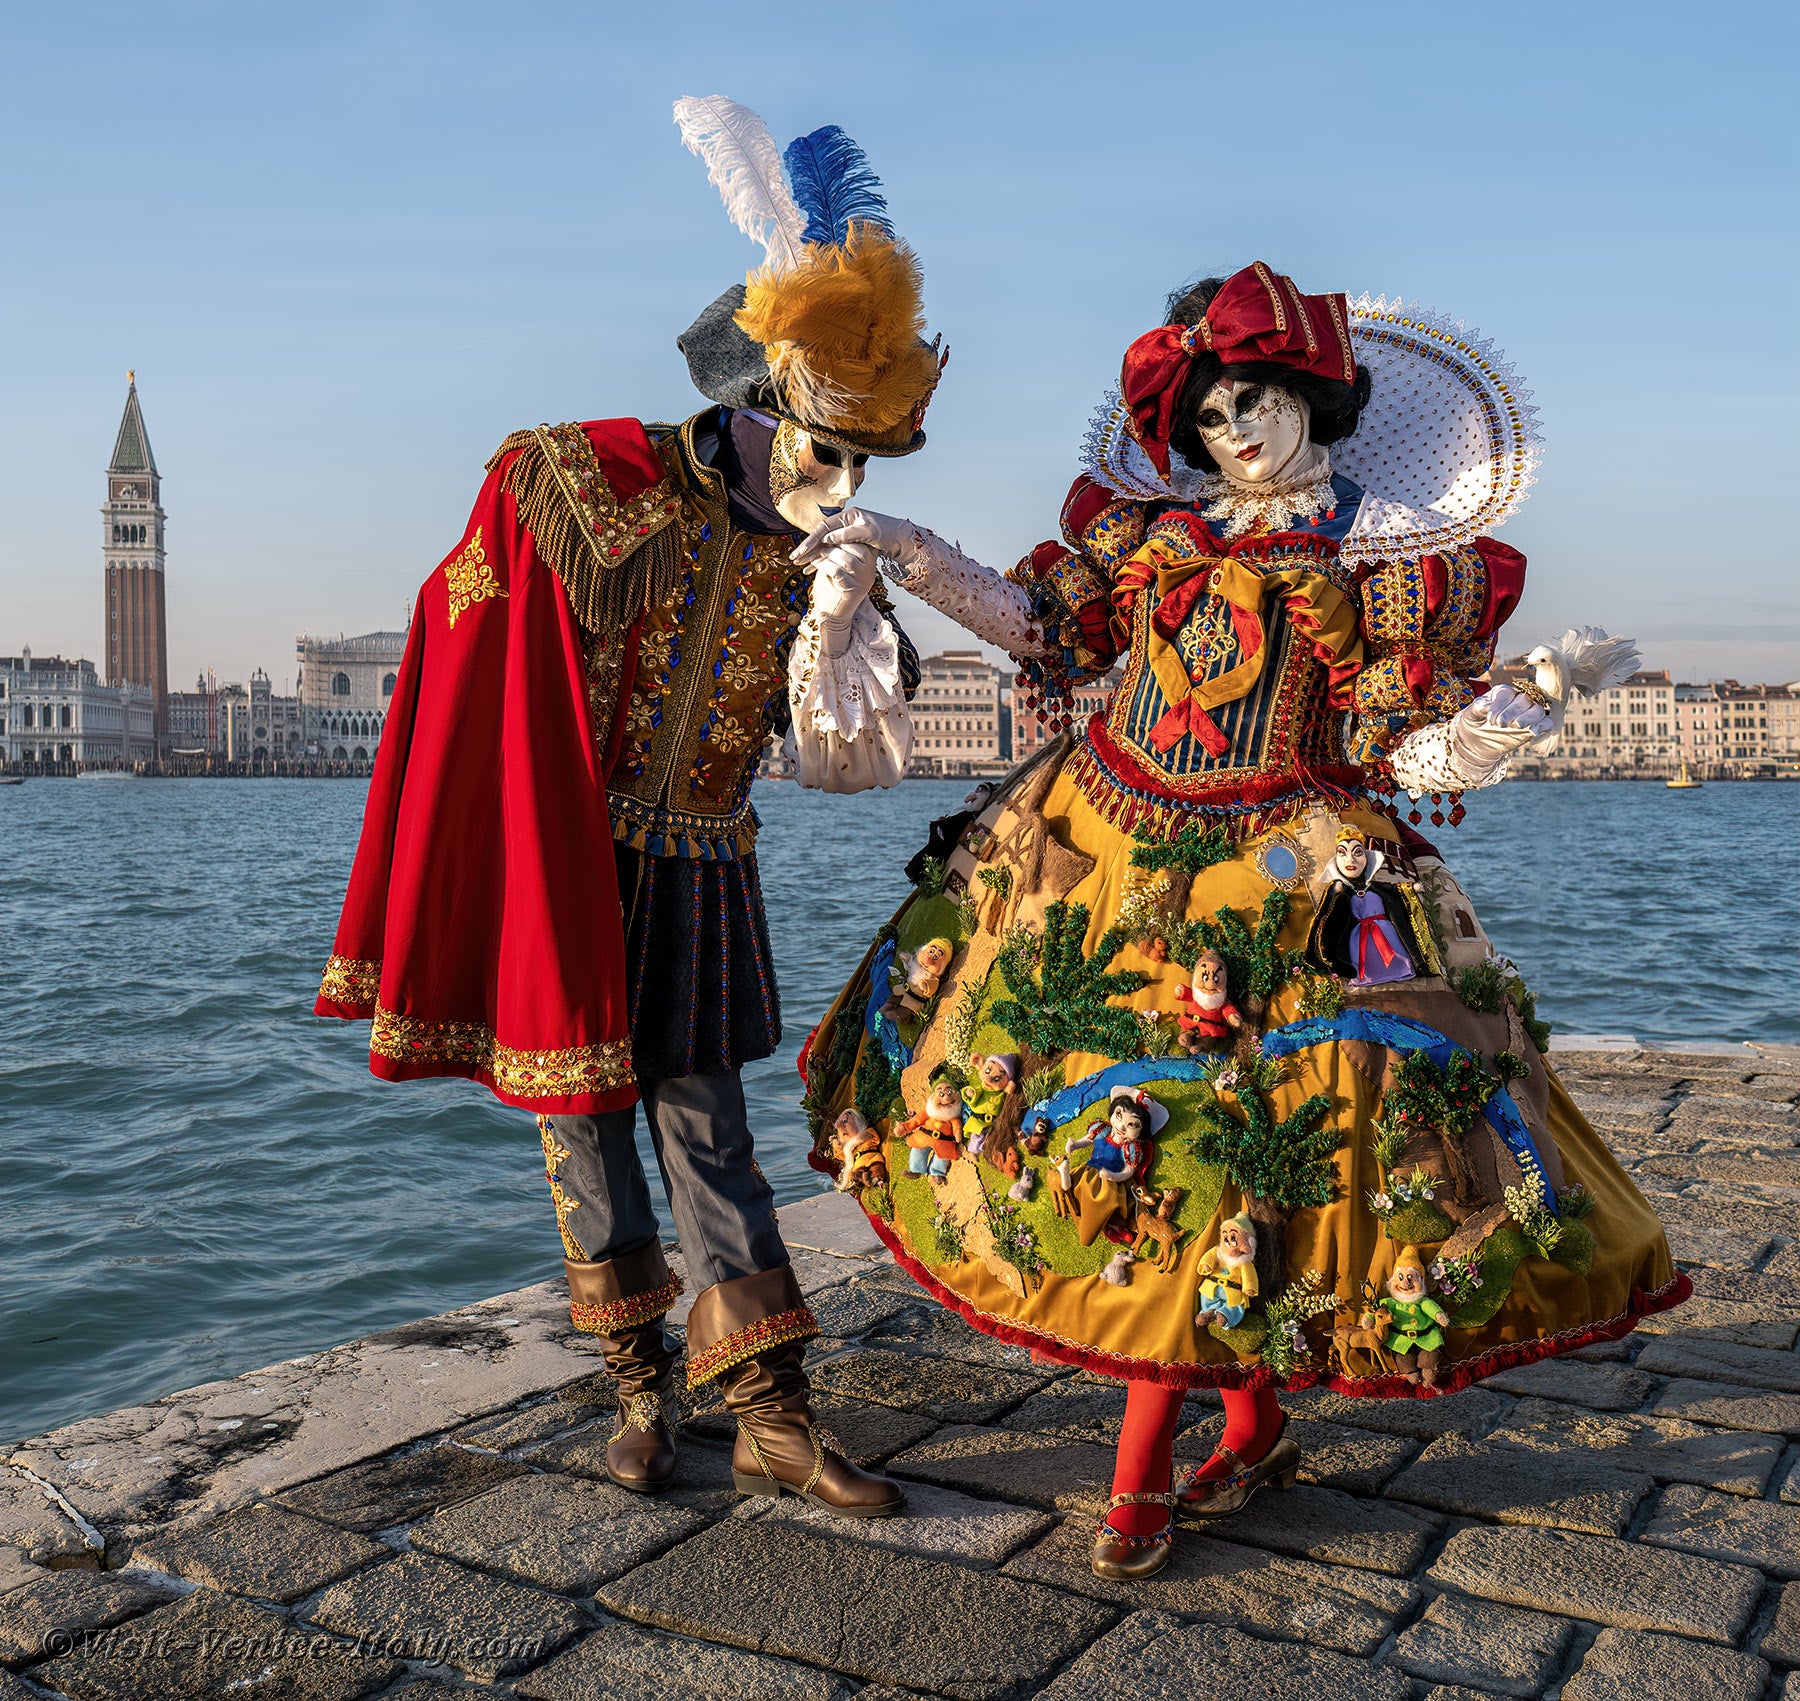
(1281, 539)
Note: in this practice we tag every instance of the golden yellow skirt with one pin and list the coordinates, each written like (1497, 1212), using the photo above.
(1356, 1127)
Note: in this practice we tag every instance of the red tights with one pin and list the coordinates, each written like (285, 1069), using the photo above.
(1147, 1443)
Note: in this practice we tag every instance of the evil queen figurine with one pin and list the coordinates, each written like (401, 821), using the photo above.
(1281, 536)
(1361, 931)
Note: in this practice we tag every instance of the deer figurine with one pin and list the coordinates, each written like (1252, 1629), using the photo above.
(1062, 1191)
(1158, 1225)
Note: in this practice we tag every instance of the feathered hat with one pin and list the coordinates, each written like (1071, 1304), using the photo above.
(828, 333)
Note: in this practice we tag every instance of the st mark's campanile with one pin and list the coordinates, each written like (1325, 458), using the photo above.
(137, 647)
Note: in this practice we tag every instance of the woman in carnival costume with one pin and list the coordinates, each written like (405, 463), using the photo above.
(1377, 1183)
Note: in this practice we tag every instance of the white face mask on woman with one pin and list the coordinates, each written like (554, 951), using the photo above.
(1256, 433)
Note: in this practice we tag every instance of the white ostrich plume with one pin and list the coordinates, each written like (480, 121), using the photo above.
(744, 164)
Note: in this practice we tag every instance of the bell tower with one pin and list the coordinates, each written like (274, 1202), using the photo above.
(137, 647)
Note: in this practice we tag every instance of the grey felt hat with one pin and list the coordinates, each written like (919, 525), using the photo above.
(728, 366)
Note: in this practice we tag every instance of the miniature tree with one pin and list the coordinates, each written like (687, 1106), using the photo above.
(1060, 994)
(1279, 1167)
(1193, 849)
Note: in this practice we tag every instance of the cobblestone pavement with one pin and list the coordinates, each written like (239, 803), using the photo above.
(425, 1514)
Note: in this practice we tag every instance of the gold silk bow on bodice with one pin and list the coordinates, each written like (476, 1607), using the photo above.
(1244, 585)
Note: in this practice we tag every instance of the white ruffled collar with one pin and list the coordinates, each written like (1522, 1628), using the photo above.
(1236, 509)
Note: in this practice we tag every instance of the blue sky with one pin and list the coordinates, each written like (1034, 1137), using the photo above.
(349, 247)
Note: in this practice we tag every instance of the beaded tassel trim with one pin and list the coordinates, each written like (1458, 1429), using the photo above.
(626, 1313)
(796, 1325)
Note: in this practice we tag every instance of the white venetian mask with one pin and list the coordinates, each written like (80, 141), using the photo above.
(1253, 431)
(810, 479)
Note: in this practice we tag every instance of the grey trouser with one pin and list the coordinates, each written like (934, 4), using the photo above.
(724, 1209)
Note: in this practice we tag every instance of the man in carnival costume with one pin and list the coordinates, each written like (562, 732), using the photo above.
(556, 892)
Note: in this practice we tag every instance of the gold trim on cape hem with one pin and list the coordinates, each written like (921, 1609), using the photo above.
(796, 1325)
(564, 1072)
(625, 1313)
(351, 980)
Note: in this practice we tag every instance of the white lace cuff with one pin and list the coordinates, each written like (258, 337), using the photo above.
(1436, 759)
(851, 727)
(976, 597)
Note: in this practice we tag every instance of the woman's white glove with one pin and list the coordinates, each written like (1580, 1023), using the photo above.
(1474, 747)
(843, 575)
(898, 540)
(938, 573)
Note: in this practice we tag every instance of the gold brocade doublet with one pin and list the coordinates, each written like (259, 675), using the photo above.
(709, 675)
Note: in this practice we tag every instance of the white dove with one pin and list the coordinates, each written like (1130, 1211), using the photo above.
(1583, 662)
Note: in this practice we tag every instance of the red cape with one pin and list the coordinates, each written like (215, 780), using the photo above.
(482, 929)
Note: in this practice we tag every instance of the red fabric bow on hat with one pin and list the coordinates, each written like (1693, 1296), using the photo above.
(1257, 315)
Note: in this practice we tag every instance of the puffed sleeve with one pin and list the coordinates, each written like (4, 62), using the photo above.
(1071, 582)
(1429, 628)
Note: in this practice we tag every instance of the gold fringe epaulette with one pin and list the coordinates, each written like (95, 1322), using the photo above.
(615, 558)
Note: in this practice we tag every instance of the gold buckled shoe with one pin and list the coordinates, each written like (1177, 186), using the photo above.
(1128, 1558)
(1219, 1497)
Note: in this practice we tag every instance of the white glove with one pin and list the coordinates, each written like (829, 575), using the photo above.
(843, 575)
(898, 540)
(1474, 747)
(1502, 706)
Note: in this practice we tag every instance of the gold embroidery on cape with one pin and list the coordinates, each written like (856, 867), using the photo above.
(561, 1073)
(555, 1155)
(351, 980)
(615, 558)
(470, 579)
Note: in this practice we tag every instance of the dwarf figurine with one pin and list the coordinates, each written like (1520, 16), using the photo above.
(1228, 1274)
(1215, 1017)
(861, 1162)
(1417, 1335)
(935, 1134)
(996, 1077)
(916, 975)
(1361, 931)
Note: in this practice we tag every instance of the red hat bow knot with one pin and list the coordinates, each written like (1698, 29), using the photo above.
(1257, 315)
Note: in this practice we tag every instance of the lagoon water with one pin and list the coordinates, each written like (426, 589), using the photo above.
(197, 1177)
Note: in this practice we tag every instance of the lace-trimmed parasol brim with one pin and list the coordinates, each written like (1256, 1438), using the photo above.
(1446, 449)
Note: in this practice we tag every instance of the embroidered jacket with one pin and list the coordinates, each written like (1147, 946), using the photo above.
(602, 655)
(685, 697)
(1261, 671)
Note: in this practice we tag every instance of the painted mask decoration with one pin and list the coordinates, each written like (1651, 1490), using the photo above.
(1351, 858)
(810, 479)
(1253, 431)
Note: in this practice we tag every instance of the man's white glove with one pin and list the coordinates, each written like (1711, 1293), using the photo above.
(898, 540)
(843, 576)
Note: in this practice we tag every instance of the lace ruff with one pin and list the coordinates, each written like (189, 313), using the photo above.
(851, 726)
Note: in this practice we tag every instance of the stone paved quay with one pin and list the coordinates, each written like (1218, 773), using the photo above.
(424, 1513)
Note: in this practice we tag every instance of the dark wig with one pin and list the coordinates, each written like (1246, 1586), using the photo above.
(1334, 406)
(1136, 1112)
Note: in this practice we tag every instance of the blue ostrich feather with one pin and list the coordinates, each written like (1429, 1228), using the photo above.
(833, 184)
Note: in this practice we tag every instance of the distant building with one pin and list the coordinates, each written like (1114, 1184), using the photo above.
(956, 715)
(1648, 725)
(1784, 725)
(257, 727)
(344, 686)
(59, 713)
(194, 718)
(1029, 734)
(137, 642)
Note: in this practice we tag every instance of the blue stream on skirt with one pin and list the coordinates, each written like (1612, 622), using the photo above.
(200, 1178)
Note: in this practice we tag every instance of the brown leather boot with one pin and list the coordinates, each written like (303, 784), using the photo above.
(621, 1302)
(750, 1334)
(782, 1448)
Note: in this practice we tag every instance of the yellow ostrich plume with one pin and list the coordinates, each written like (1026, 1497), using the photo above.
(844, 332)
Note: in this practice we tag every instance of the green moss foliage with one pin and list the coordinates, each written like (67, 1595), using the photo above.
(1418, 1223)
(1060, 995)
